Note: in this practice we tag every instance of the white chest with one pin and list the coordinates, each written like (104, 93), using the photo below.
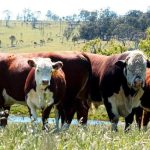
(40, 98)
(123, 105)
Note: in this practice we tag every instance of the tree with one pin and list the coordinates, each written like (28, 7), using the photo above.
(84, 15)
(93, 16)
(49, 15)
(37, 14)
(145, 44)
(27, 15)
(12, 40)
(67, 33)
(106, 24)
(7, 17)
(132, 18)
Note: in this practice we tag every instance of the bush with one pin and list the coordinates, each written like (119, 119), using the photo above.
(97, 46)
(145, 44)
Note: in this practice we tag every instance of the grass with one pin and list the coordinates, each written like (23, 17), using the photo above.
(19, 137)
(24, 32)
(99, 114)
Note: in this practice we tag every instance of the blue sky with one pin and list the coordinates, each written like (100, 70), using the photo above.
(69, 7)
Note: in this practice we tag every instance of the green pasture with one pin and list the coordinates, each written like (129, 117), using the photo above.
(26, 37)
(98, 137)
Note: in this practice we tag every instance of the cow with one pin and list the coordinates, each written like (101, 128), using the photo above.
(44, 87)
(15, 69)
(142, 113)
(118, 82)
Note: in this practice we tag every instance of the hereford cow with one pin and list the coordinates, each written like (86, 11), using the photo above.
(14, 70)
(142, 113)
(44, 87)
(118, 82)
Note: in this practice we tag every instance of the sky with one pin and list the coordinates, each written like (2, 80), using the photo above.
(70, 7)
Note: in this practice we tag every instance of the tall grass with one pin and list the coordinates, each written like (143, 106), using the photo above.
(19, 137)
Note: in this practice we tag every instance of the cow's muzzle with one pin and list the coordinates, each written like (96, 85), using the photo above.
(137, 83)
(45, 82)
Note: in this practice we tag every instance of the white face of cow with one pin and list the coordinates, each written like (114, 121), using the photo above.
(43, 70)
(135, 70)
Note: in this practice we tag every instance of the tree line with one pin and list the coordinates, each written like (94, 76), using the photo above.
(104, 24)
(107, 24)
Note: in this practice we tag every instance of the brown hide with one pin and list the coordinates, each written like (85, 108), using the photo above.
(14, 70)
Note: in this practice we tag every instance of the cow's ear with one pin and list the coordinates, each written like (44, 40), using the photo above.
(148, 63)
(121, 63)
(57, 65)
(31, 63)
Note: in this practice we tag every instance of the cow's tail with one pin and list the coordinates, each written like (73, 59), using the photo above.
(89, 71)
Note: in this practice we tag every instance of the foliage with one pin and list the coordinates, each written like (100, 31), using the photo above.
(145, 44)
(107, 48)
(105, 24)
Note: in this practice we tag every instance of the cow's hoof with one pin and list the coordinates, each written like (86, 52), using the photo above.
(45, 127)
(3, 122)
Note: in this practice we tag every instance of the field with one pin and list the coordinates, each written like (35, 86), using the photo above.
(18, 136)
(24, 32)
(45, 37)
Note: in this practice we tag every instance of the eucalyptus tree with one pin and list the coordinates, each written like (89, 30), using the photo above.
(7, 17)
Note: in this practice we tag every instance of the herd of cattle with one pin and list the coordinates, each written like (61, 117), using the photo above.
(71, 81)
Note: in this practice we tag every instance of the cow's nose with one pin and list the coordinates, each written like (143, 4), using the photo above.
(45, 82)
(138, 82)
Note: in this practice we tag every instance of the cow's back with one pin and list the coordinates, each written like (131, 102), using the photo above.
(76, 68)
(14, 70)
(105, 77)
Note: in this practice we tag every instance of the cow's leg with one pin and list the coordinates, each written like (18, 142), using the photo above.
(139, 114)
(57, 116)
(4, 113)
(69, 114)
(82, 112)
(129, 120)
(146, 117)
(33, 116)
(32, 109)
(60, 114)
(114, 118)
(45, 116)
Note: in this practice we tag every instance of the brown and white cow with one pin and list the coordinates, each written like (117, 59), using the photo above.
(142, 113)
(45, 87)
(14, 70)
(118, 82)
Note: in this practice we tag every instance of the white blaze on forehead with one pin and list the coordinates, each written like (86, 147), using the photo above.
(136, 66)
(43, 62)
(43, 70)
(136, 59)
